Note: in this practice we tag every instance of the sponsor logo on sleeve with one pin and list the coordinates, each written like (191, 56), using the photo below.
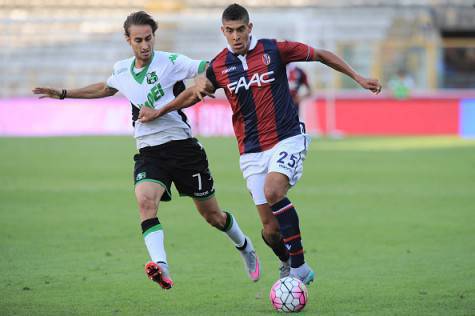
(173, 58)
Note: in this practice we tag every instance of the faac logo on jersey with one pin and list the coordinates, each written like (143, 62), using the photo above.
(256, 80)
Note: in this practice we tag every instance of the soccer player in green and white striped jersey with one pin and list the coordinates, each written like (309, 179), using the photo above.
(167, 151)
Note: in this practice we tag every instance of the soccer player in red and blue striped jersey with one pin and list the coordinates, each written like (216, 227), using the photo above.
(297, 80)
(257, 88)
(272, 142)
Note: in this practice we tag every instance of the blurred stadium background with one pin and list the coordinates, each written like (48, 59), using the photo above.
(72, 43)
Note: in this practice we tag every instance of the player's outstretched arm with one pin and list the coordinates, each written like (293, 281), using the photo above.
(93, 91)
(192, 95)
(335, 62)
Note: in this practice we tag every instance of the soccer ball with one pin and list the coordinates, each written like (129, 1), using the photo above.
(288, 295)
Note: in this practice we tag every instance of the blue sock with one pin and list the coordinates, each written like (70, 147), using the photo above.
(290, 230)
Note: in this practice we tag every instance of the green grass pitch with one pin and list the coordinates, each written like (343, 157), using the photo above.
(388, 225)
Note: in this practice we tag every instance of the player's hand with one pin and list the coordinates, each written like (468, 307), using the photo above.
(147, 114)
(200, 89)
(47, 93)
(371, 84)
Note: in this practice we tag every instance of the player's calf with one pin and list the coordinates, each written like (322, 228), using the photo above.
(217, 219)
(288, 219)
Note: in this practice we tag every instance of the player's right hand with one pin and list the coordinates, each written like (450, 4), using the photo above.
(201, 88)
(47, 93)
(147, 114)
(370, 84)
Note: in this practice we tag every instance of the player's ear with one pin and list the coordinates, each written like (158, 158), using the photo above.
(222, 29)
(250, 25)
(127, 38)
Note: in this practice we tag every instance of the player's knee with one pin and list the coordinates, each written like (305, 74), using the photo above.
(273, 194)
(147, 206)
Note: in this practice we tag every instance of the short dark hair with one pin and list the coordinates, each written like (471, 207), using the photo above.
(139, 18)
(235, 12)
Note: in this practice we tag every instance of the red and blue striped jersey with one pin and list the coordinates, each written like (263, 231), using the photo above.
(257, 88)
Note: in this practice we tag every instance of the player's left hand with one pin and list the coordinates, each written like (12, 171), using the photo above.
(371, 84)
(147, 114)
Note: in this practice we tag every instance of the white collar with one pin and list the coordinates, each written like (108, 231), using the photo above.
(252, 44)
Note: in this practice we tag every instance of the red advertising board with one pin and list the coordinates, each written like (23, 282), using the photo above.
(383, 116)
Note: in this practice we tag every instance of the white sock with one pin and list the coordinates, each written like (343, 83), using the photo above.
(233, 231)
(155, 246)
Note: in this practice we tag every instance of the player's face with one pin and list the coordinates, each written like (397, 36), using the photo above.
(142, 40)
(237, 35)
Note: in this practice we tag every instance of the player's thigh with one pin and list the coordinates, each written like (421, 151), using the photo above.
(149, 191)
(255, 185)
(287, 160)
(276, 186)
(148, 195)
(191, 173)
(150, 167)
(254, 167)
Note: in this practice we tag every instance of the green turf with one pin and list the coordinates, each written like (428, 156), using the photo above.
(388, 224)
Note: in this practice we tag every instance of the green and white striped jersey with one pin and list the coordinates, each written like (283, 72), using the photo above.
(154, 86)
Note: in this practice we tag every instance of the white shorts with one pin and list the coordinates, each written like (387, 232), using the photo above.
(286, 157)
